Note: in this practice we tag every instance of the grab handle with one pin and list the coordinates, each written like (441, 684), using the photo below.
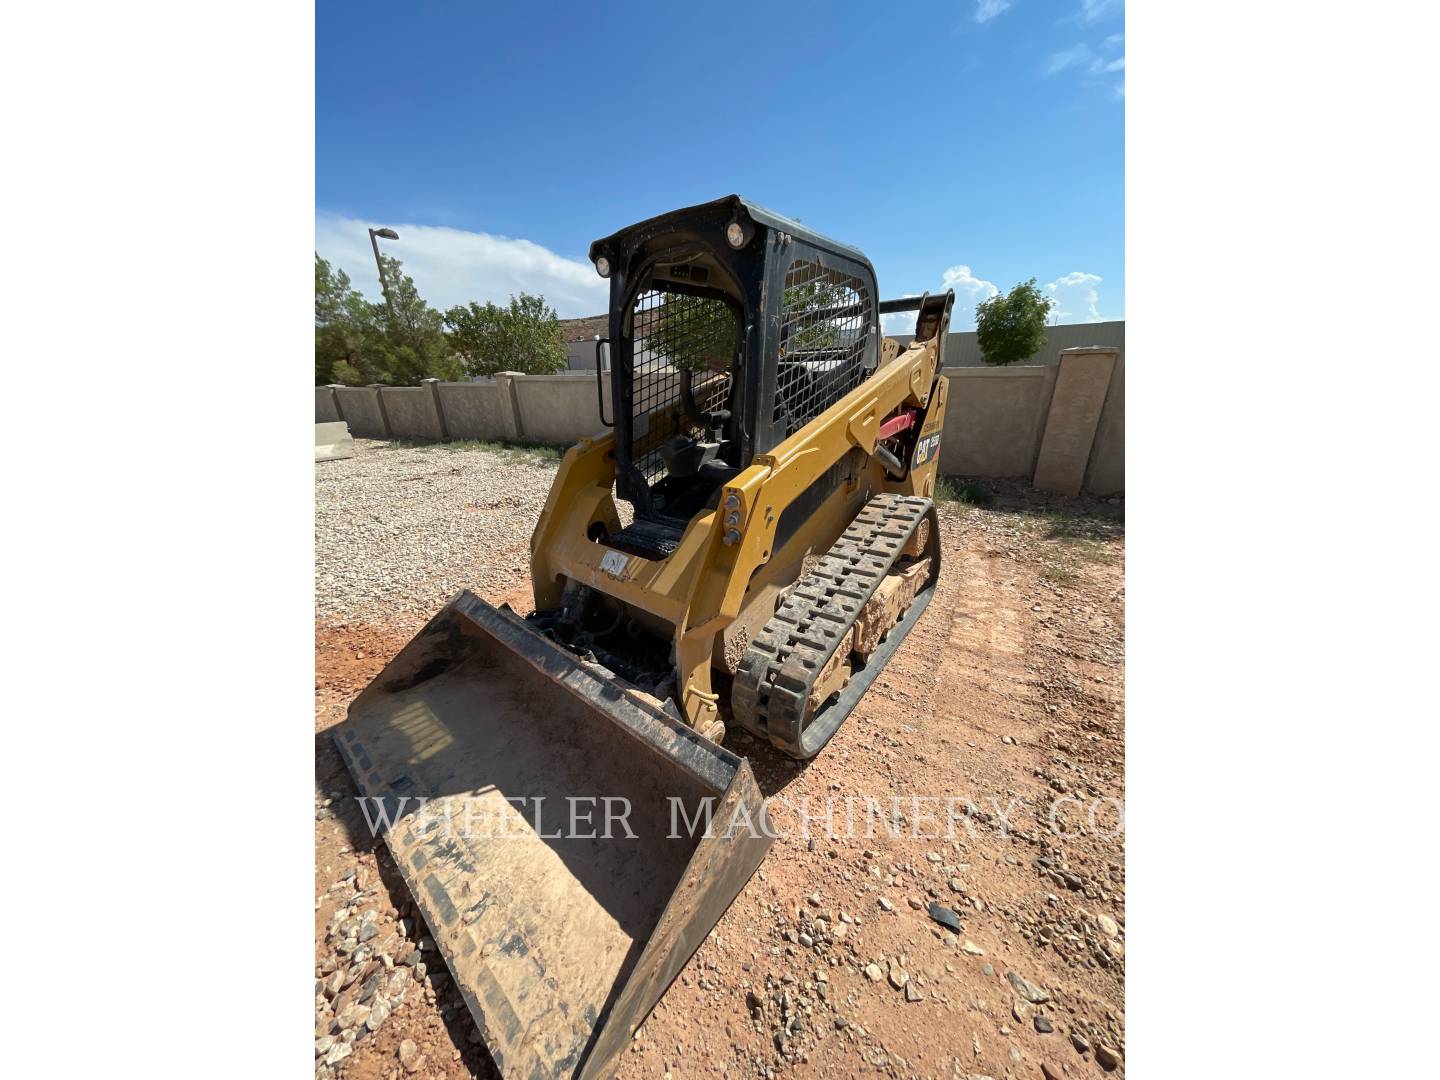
(600, 380)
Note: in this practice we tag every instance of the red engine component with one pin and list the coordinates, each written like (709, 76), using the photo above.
(901, 421)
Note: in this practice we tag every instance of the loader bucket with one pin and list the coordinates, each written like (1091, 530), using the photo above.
(491, 751)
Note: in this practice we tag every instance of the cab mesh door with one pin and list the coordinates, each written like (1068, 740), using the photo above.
(673, 333)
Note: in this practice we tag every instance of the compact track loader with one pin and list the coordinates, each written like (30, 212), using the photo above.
(748, 546)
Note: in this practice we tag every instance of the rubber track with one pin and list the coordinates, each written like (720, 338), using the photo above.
(778, 670)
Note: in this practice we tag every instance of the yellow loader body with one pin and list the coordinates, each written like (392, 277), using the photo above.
(554, 786)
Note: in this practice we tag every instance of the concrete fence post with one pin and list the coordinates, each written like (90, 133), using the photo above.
(1081, 384)
(379, 389)
(511, 426)
(439, 407)
(1106, 475)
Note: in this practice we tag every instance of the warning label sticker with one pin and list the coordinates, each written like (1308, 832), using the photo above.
(614, 563)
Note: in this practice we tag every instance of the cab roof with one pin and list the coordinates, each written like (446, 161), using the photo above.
(730, 206)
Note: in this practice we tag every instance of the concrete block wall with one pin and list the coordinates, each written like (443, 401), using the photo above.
(995, 420)
(1060, 424)
(472, 410)
(1082, 383)
(326, 409)
(559, 408)
(412, 414)
(1106, 475)
(962, 347)
(359, 406)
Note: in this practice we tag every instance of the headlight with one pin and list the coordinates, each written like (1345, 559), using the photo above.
(602, 266)
(737, 235)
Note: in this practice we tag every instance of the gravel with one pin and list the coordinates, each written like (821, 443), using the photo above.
(398, 531)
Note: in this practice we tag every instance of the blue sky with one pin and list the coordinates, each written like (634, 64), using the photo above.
(974, 143)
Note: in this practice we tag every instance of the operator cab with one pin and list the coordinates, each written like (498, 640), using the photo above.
(731, 328)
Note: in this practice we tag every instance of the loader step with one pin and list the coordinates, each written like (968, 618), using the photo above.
(650, 538)
(774, 695)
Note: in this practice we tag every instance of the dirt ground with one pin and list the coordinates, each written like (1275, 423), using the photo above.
(1008, 697)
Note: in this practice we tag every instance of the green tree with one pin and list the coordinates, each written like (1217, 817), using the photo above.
(1012, 327)
(358, 342)
(694, 333)
(340, 314)
(818, 308)
(407, 336)
(524, 336)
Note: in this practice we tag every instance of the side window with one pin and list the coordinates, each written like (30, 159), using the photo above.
(674, 332)
(825, 326)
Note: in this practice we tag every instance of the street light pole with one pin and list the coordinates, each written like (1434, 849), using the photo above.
(388, 234)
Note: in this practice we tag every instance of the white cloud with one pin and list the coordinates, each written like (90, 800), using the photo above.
(1077, 297)
(968, 285)
(969, 291)
(1059, 61)
(453, 266)
(1099, 61)
(1110, 67)
(1076, 294)
(985, 10)
(1092, 11)
(901, 322)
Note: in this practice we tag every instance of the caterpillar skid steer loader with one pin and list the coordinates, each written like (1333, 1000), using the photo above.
(746, 547)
